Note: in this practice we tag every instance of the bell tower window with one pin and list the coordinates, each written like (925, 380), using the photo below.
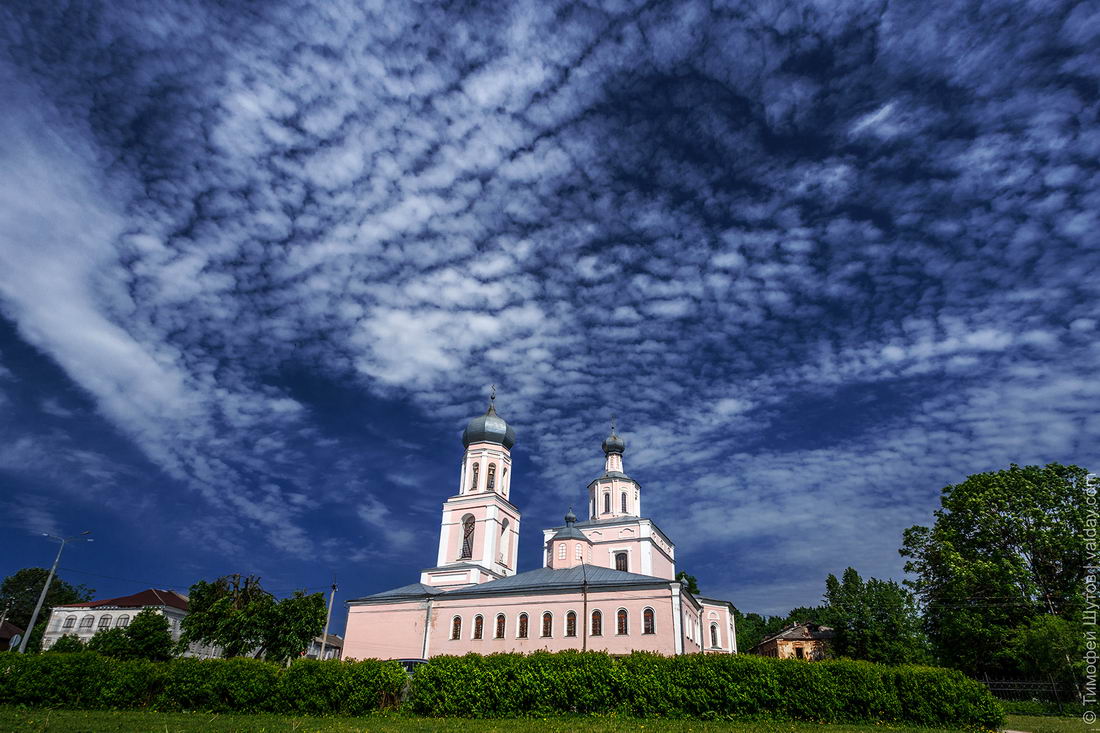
(624, 502)
(620, 561)
(491, 478)
(503, 544)
(467, 538)
(473, 479)
(607, 503)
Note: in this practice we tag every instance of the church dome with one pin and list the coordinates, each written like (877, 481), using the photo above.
(613, 444)
(489, 428)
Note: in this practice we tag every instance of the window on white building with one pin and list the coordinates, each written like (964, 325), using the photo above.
(123, 620)
(86, 622)
(105, 622)
(70, 621)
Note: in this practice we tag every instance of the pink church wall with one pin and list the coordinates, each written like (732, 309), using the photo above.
(660, 600)
(388, 631)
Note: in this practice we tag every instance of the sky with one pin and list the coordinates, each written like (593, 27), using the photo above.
(260, 263)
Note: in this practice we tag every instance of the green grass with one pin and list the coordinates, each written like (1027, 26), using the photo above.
(81, 721)
(1045, 724)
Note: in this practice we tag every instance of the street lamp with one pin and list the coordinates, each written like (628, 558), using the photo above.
(49, 579)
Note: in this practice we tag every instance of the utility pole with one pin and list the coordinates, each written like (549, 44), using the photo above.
(584, 621)
(328, 617)
(49, 580)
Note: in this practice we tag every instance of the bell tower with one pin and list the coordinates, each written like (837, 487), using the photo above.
(614, 494)
(479, 534)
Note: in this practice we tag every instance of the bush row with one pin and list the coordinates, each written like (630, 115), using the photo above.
(89, 681)
(699, 686)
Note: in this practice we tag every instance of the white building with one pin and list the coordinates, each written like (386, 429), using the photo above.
(83, 620)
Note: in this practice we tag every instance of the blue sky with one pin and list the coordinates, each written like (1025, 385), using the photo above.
(259, 263)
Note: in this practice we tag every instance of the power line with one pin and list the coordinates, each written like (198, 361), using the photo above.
(185, 586)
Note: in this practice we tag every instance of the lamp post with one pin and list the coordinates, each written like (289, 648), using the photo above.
(49, 580)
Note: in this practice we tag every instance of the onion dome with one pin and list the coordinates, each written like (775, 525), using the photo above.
(569, 532)
(489, 428)
(613, 444)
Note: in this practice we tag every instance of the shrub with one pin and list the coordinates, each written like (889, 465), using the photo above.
(67, 644)
(699, 686)
(90, 681)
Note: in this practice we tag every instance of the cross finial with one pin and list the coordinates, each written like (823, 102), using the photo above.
(492, 393)
(612, 424)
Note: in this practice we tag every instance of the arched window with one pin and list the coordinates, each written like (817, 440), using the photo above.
(503, 544)
(456, 627)
(500, 627)
(607, 503)
(580, 556)
(467, 538)
(647, 622)
(571, 624)
(479, 626)
(473, 479)
(620, 622)
(70, 622)
(491, 477)
(597, 623)
(561, 550)
(620, 561)
(522, 634)
(123, 620)
(714, 635)
(624, 502)
(105, 621)
(547, 624)
(86, 622)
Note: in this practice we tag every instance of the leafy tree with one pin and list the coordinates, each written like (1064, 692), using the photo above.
(147, 637)
(245, 620)
(1006, 547)
(750, 629)
(150, 637)
(22, 588)
(111, 643)
(1049, 647)
(875, 620)
(690, 582)
(67, 644)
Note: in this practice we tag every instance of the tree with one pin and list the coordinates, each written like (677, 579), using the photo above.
(111, 643)
(875, 620)
(690, 582)
(1049, 647)
(245, 620)
(1006, 547)
(22, 588)
(147, 637)
(67, 644)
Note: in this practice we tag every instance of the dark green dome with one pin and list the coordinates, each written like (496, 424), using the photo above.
(489, 428)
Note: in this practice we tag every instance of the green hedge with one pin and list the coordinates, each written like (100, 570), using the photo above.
(506, 685)
(700, 686)
(89, 681)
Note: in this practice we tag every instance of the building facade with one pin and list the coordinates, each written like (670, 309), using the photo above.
(83, 620)
(607, 583)
(797, 641)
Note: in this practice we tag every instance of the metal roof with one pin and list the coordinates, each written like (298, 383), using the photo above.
(413, 590)
(549, 579)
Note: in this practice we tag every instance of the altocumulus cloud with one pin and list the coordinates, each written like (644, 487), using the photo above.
(820, 258)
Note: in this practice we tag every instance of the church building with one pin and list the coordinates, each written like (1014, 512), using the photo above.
(607, 583)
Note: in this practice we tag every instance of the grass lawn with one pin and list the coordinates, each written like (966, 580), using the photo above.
(81, 721)
(1043, 724)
